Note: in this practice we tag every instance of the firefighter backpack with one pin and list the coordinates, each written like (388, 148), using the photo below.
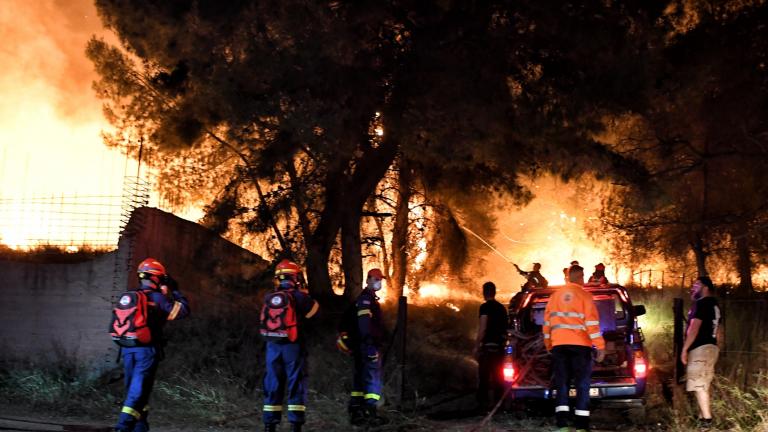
(347, 339)
(129, 320)
(279, 322)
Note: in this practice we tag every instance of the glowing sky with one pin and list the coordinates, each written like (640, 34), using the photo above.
(50, 119)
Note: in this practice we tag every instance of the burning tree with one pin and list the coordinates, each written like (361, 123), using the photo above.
(703, 139)
(291, 113)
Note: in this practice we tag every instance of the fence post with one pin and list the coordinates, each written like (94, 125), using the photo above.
(677, 310)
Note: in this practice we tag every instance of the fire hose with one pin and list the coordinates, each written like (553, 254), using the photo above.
(531, 349)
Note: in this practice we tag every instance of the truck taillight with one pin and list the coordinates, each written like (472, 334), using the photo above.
(641, 367)
(509, 372)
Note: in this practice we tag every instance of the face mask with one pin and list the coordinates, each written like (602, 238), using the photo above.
(376, 285)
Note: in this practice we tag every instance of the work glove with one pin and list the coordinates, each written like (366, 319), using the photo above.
(372, 354)
(342, 343)
(170, 282)
(600, 356)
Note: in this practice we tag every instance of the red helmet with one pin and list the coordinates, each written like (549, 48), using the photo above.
(151, 269)
(287, 269)
(600, 267)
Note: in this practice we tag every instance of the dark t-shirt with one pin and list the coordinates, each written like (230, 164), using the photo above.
(496, 329)
(707, 310)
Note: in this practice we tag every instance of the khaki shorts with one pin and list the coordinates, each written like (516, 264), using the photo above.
(701, 367)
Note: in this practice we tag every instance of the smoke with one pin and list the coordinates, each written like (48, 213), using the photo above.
(50, 119)
(43, 56)
(51, 124)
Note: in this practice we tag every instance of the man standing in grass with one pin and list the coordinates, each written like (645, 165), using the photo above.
(700, 350)
(571, 329)
(489, 348)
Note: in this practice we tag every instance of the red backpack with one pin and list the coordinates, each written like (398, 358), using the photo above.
(278, 317)
(129, 320)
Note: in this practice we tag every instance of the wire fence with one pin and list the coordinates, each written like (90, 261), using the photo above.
(70, 222)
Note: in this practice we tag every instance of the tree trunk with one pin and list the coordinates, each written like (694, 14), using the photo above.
(400, 233)
(351, 253)
(744, 260)
(319, 278)
(701, 256)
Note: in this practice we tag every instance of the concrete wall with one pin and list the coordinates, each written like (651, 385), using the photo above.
(60, 312)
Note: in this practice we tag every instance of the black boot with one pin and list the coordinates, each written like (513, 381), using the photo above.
(373, 418)
(270, 427)
(356, 415)
(295, 427)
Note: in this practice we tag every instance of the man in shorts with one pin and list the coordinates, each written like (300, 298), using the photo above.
(700, 350)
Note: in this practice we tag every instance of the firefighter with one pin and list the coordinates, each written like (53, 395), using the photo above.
(164, 303)
(598, 277)
(571, 328)
(489, 347)
(534, 278)
(367, 381)
(283, 319)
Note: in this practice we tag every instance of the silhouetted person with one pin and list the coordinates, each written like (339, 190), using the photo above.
(491, 337)
(534, 278)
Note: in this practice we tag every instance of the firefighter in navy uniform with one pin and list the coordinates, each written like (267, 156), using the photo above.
(164, 303)
(285, 312)
(367, 381)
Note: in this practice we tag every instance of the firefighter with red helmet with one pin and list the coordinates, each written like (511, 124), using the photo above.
(283, 317)
(598, 277)
(367, 380)
(571, 328)
(164, 302)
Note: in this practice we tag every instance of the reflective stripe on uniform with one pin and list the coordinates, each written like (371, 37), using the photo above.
(567, 314)
(569, 327)
(174, 311)
(362, 312)
(373, 396)
(546, 323)
(131, 411)
(313, 311)
(595, 335)
(546, 336)
(582, 413)
(273, 408)
(297, 408)
(562, 408)
(593, 323)
(357, 394)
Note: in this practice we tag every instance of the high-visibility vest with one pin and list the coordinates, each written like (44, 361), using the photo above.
(571, 318)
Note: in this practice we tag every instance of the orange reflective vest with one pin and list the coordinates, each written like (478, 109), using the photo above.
(571, 318)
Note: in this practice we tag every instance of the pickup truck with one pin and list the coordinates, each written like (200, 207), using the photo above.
(620, 379)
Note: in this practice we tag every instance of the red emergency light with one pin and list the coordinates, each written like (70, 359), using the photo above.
(641, 367)
(509, 372)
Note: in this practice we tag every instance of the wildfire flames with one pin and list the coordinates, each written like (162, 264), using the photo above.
(50, 123)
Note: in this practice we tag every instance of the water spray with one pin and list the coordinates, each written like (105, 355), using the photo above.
(486, 243)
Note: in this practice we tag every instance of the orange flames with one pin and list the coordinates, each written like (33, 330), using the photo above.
(50, 121)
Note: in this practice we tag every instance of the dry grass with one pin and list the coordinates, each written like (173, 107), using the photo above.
(211, 378)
